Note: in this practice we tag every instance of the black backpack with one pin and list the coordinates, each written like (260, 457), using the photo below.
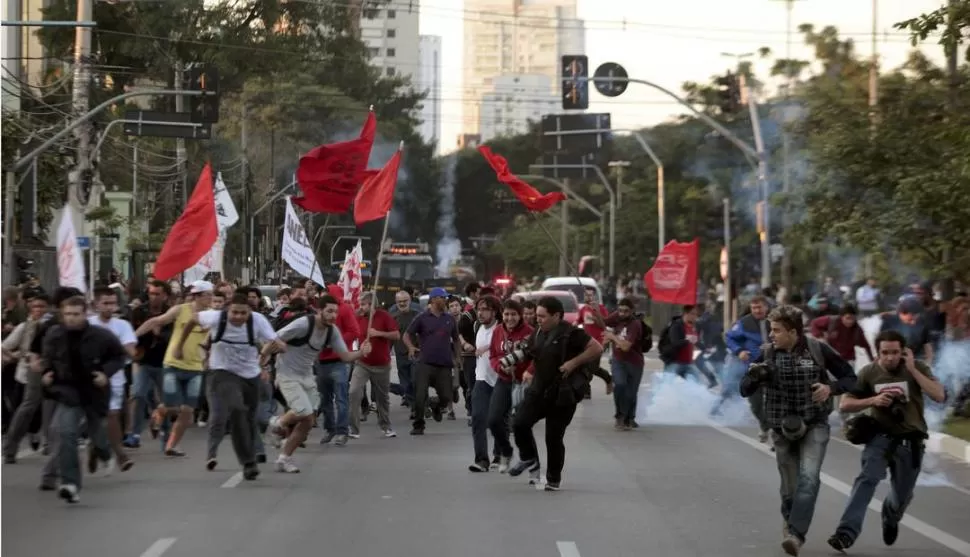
(285, 320)
(646, 333)
(221, 330)
(664, 344)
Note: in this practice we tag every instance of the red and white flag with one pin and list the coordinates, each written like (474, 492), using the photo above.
(350, 279)
(70, 265)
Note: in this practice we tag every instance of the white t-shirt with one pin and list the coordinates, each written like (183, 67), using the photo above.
(297, 362)
(125, 335)
(233, 352)
(483, 365)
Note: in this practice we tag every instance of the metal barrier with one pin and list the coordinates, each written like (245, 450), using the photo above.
(43, 266)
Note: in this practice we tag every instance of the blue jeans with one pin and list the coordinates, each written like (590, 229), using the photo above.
(141, 391)
(481, 400)
(626, 386)
(333, 382)
(181, 387)
(799, 465)
(904, 468)
(66, 426)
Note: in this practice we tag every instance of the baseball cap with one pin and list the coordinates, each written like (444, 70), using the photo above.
(201, 287)
(438, 292)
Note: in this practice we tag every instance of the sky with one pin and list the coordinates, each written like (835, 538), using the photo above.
(673, 42)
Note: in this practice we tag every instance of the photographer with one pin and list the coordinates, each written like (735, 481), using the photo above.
(559, 352)
(792, 372)
(891, 390)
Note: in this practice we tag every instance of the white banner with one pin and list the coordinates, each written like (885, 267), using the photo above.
(296, 249)
(226, 216)
(70, 265)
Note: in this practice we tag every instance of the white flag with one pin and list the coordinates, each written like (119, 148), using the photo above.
(70, 265)
(296, 247)
(350, 279)
(226, 216)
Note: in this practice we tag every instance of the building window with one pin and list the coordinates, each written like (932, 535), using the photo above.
(370, 14)
(390, 72)
(391, 14)
(391, 33)
(391, 53)
(374, 51)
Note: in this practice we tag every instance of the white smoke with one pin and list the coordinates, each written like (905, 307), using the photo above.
(449, 246)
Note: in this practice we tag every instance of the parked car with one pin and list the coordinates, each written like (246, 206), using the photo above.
(569, 302)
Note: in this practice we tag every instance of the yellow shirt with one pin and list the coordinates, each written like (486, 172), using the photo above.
(193, 356)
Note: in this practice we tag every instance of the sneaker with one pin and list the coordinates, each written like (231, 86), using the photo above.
(552, 486)
(201, 423)
(618, 424)
(276, 428)
(211, 464)
(340, 440)
(763, 437)
(174, 452)
(261, 458)
(125, 464)
(286, 465)
(451, 416)
(327, 437)
(92, 460)
(436, 413)
(535, 475)
(792, 545)
(417, 431)
(478, 467)
(132, 441)
(34, 442)
(388, 433)
(496, 460)
(840, 542)
(503, 465)
(68, 492)
(890, 532)
(250, 472)
(353, 436)
(523, 465)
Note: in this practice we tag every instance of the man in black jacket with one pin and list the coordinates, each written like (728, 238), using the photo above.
(79, 359)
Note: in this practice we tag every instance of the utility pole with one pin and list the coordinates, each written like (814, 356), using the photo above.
(244, 141)
(81, 101)
(620, 166)
(180, 155)
(952, 53)
(563, 237)
(873, 98)
(786, 142)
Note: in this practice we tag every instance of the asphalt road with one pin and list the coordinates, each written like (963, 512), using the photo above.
(660, 490)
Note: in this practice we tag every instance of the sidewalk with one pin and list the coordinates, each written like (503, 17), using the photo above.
(949, 445)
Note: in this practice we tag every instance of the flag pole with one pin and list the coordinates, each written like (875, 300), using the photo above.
(572, 269)
(380, 259)
(309, 236)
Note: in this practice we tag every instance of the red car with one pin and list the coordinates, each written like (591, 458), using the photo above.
(568, 299)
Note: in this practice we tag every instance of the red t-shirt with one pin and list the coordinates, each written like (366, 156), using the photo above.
(380, 354)
(686, 354)
(585, 318)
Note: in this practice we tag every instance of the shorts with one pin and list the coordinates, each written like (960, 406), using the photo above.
(181, 388)
(301, 395)
(117, 398)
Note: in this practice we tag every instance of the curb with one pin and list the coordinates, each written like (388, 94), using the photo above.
(949, 445)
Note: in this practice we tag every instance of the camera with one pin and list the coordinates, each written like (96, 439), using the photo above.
(513, 358)
(793, 428)
(897, 408)
(760, 372)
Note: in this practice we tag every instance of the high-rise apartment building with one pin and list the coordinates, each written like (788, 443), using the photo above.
(391, 36)
(513, 101)
(24, 57)
(429, 81)
(515, 37)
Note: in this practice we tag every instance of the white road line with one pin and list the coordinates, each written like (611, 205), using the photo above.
(567, 549)
(926, 530)
(233, 481)
(158, 548)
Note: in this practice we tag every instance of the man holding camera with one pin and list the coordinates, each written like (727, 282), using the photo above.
(559, 353)
(890, 390)
(792, 372)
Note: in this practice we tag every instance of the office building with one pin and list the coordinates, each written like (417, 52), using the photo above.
(515, 38)
(391, 35)
(429, 82)
(513, 101)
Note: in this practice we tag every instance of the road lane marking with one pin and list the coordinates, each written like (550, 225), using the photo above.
(233, 481)
(567, 549)
(158, 548)
(924, 529)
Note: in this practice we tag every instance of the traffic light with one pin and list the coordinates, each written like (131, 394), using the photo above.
(729, 98)
(203, 109)
(575, 82)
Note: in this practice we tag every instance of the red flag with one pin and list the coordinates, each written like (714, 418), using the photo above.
(673, 277)
(528, 195)
(330, 175)
(375, 197)
(193, 234)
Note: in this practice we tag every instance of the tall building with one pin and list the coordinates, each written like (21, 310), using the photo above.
(515, 37)
(513, 101)
(391, 36)
(429, 81)
(24, 57)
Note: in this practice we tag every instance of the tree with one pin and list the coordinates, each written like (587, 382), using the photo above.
(952, 22)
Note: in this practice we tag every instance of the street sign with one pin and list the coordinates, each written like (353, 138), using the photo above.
(611, 88)
(84, 242)
(724, 263)
(570, 160)
(155, 129)
(561, 133)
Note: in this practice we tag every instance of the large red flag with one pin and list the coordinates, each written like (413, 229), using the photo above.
(673, 277)
(375, 197)
(330, 175)
(528, 195)
(193, 234)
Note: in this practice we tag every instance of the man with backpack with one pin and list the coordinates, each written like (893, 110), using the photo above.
(677, 340)
(626, 334)
(792, 372)
(842, 332)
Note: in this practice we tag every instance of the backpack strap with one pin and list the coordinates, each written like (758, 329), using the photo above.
(250, 334)
(815, 349)
(221, 328)
(311, 323)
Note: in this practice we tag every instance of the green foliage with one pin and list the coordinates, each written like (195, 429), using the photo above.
(952, 22)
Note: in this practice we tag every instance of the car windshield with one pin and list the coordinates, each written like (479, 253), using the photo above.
(569, 304)
(577, 289)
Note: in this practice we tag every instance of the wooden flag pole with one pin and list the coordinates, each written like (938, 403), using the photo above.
(380, 259)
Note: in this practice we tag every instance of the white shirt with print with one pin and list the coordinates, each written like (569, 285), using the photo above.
(233, 353)
(125, 335)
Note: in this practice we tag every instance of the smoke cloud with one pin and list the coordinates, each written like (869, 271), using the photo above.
(449, 246)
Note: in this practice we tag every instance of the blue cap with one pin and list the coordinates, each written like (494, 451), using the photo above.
(438, 292)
